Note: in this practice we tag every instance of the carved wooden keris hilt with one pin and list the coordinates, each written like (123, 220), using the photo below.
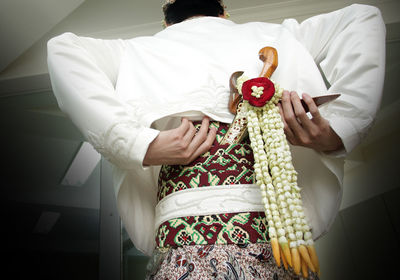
(238, 129)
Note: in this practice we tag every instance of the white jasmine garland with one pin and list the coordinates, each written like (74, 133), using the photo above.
(274, 171)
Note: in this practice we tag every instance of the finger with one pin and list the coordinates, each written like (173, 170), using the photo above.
(292, 125)
(298, 108)
(286, 128)
(286, 103)
(183, 127)
(288, 112)
(301, 114)
(201, 135)
(206, 145)
(290, 116)
(313, 108)
(204, 125)
(189, 133)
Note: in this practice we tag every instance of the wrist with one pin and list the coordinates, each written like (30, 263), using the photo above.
(334, 142)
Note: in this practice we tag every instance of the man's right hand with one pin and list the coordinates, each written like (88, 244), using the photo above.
(181, 145)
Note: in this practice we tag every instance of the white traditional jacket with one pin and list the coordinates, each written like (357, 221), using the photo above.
(121, 93)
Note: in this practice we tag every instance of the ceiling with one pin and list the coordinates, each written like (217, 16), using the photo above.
(23, 22)
(39, 142)
(26, 26)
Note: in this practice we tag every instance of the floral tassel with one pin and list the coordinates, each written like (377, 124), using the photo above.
(276, 176)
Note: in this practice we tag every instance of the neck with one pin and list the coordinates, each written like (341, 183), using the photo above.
(198, 16)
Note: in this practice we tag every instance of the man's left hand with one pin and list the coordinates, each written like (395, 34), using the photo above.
(300, 130)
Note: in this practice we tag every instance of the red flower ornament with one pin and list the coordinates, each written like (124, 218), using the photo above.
(258, 91)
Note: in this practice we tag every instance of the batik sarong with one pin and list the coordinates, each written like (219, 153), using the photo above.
(217, 246)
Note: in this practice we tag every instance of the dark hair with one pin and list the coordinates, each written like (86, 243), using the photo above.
(180, 10)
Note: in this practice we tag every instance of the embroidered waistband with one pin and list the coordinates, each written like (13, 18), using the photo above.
(208, 201)
(229, 214)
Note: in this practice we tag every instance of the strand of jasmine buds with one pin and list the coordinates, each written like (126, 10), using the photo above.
(285, 180)
(280, 162)
(280, 170)
(303, 234)
(264, 180)
(294, 202)
(271, 126)
(309, 253)
(279, 159)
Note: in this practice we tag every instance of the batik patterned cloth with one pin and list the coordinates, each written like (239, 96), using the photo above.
(220, 246)
(229, 228)
(226, 164)
(225, 262)
(222, 165)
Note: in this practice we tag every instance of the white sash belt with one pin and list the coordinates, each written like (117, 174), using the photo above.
(209, 200)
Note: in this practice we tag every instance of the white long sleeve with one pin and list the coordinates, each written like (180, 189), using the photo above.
(349, 46)
(83, 72)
